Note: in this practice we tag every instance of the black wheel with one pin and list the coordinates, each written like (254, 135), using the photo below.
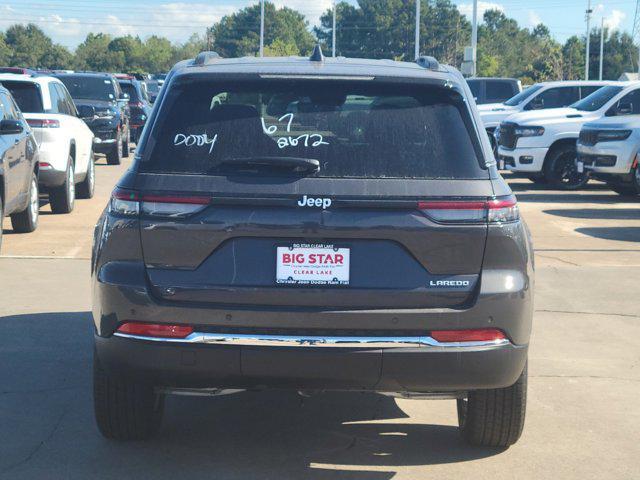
(494, 418)
(114, 157)
(63, 198)
(87, 186)
(124, 409)
(27, 220)
(125, 147)
(561, 171)
(538, 179)
(629, 189)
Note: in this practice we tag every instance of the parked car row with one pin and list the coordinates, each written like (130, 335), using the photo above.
(563, 133)
(51, 124)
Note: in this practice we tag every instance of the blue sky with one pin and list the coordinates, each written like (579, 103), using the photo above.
(68, 21)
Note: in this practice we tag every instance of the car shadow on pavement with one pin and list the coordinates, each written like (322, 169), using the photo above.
(49, 430)
(598, 213)
(622, 234)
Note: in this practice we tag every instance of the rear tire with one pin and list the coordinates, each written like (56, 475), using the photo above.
(63, 198)
(27, 220)
(124, 409)
(629, 189)
(125, 147)
(494, 418)
(560, 169)
(86, 188)
(114, 157)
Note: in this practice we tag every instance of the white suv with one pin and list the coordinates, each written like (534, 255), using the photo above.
(65, 141)
(542, 145)
(608, 149)
(541, 96)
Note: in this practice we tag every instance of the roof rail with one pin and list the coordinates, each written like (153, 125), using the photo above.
(428, 62)
(317, 55)
(205, 58)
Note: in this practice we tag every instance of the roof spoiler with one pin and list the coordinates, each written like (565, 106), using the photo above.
(428, 62)
(206, 58)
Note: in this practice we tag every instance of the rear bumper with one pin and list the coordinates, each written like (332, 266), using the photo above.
(424, 368)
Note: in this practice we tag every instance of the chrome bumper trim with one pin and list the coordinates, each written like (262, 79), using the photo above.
(249, 340)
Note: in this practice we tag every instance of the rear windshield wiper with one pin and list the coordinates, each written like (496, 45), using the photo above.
(296, 164)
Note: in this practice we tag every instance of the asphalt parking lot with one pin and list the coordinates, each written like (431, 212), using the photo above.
(583, 419)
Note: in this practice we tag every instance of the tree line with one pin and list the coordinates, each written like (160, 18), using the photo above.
(370, 29)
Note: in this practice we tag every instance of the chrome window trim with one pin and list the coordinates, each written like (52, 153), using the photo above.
(256, 340)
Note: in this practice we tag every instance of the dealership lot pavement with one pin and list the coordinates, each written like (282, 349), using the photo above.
(583, 416)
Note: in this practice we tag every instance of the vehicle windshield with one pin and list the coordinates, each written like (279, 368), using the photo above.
(153, 87)
(130, 89)
(522, 96)
(26, 95)
(353, 129)
(597, 99)
(90, 88)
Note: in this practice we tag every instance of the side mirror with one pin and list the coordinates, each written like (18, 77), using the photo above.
(11, 127)
(625, 108)
(86, 111)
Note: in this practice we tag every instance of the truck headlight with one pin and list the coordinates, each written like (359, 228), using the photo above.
(613, 135)
(529, 131)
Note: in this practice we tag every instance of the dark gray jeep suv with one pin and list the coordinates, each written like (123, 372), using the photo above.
(313, 224)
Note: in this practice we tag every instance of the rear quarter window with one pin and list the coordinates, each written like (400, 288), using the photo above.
(27, 96)
(353, 129)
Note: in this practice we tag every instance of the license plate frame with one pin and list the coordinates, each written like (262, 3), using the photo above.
(319, 264)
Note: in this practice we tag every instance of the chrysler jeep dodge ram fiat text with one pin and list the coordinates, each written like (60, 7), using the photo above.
(313, 224)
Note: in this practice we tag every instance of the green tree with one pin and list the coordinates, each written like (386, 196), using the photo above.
(573, 52)
(238, 34)
(279, 48)
(158, 54)
(57, 58)
(94, 54)
(189, 49)
(130, 51)
(5, 51)
(28, 44)
(386, 29)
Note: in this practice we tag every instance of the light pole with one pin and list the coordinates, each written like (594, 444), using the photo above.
(586, 60)
(417, 29)
(262, 28)
(333, 31)
(601, 46)
(474, 37)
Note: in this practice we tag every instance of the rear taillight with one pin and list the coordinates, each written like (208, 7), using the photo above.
(43, 123)
(130, 202)
(136, 104)
(497, 210)
(125, 202)
(470, 335)
(157, 330)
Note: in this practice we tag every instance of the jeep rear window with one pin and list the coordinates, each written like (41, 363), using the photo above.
(353, 129)
(26, 95)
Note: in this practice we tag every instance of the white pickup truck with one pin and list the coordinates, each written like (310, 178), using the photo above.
(608, 149)
(540, 96)
(543, 144)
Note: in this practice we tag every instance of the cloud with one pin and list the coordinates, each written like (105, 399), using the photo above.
(311, 10)
(614, 20)
(534, 18)
(467, 8)
(177, 21)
